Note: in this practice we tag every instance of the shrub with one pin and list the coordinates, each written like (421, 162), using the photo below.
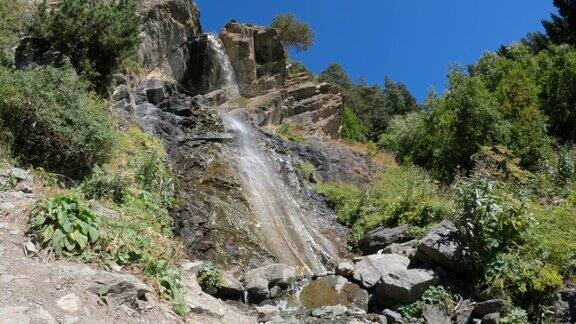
(490, 219)
(402, 195)
(515, 316)
(529, 281)
(66, 224)
(102, 185)
(435, 295)
(11, 13)
(170, 284)
(293, 33)
(305, 170)
(210, 277)
(54, 123)
(352, 128)
(291, 132)
(96, 35)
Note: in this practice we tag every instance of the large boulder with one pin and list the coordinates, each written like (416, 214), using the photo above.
(333, 290)
(168, 27)
(440, 246)
(259, 281)
(391, 279)
(381, 237)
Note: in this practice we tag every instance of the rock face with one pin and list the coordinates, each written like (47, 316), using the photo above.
(440, 246)
(168, 28)
(257, 56)
(382, 237)
(391, 279)
(331, 291)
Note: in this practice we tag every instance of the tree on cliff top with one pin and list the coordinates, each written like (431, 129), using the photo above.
(293, 33)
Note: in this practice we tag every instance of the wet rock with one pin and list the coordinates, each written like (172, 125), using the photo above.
(391, 278)
(382, 237)
(493, 318)
(260, 280)
(329, 311)
(230, 288)
(435, 315)
(392, 316)
(69, 303)
(267, 312)
(345, 269)
(440, 246)
(333, 290)
(488, 307)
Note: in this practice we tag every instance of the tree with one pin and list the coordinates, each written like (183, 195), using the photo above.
(293, 33)
(561, 29)
(96, 35)
(10, 23)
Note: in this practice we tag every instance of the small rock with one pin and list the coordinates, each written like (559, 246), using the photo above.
(19, 174)
(69, 303)
(345, 269)
(488, 307)
(392, 316)
(30, 249)
(440, 246)
(267, 312)
(493, 318)
(41, 316)
(24, 188)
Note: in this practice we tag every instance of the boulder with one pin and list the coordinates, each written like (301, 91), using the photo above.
(434, 314)
(230, 288)
(407, 249)
(260, 280)
(392, 316)
(488, 307)
(345, 269)
(17, 173)
(267, 312)
(493, 318)
(331, 291)
(382, 237)
(329, 311)
(121, 290)
(391, 278)
(441, 247)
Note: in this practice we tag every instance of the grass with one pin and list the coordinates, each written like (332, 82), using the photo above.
(291, 132)
(400, 195)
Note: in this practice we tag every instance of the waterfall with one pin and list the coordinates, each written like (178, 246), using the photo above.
(228, 82)
(288, 233)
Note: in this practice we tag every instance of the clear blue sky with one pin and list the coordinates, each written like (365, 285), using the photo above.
(413, 41)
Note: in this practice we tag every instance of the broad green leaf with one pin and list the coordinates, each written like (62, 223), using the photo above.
(58, 241)
(47, 233)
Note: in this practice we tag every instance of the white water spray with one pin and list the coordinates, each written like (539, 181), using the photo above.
(229, 84)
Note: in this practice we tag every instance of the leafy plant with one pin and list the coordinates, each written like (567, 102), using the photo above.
(102, 185)
(515, 316)
(305, 170)
(352, 128)
(170, 284)
(11, 13)
(210, 277)
(435, 295)
(66, 224)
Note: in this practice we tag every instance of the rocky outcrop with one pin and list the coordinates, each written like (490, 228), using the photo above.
(257, 56)
(167, 30)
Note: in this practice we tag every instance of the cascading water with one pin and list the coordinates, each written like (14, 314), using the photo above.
(288, 234)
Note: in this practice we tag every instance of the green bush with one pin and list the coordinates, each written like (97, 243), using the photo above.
(11, 14)
(96, 35)
(515, 316)
(102, 185)
(54, 123)
(352, 128)
(291, 132)
(490, 219)
(170, 283)
(293, 33)
(436, 295)
(210, 277)
(402, 195)
(65, 224)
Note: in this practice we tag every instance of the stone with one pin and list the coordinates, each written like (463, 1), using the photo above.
(392, 316)
(382, 319)
(267, 312)
(333, 290)
(42, 316)
(329, 311)
(30, 249)
(69, 303)
(568, 296)
(488, 307)
(382, 237)
(493, 318)
(345, 269)
(440, 246)
(17, 173)
(260, 280)
(121, 290)
(434, 314)
(121, 92)
(230, 287)
(391, 279)
(155, 91)
(407, 249)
